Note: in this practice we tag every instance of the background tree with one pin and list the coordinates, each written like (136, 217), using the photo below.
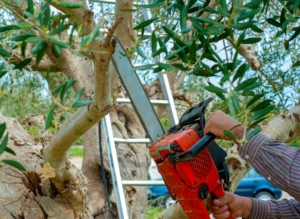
(58, 54)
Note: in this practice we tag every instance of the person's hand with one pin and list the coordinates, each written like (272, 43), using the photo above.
(219, 121)
(230, 205)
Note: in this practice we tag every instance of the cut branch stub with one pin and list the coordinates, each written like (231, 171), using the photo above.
(82, 15)
(86, 23)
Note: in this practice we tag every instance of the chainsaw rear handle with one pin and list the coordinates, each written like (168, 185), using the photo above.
(194, 150)
(218, 193)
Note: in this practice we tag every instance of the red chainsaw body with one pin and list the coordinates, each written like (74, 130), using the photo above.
(184, 179)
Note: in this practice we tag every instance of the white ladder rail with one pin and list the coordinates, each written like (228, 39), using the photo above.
(167, 93)
(115, 169)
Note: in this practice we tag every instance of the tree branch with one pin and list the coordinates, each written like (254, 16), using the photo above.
(86, 117)
(179, 79)
(182, 96)
(212, 4)
(248, 52)
(44, 64)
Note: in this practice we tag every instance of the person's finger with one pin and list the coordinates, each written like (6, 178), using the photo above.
(227, 198)
(219, 210)
(211, 205)
(223, 215)
(215, 207)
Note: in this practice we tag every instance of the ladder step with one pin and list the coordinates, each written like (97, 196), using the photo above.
(155, 102)
(132, 140)
(143, 183)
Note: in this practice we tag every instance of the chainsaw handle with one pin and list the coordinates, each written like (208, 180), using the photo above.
(194, 150)
(201, 144)
(218, 193)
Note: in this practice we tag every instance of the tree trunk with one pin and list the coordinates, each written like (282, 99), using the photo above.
(30, 194)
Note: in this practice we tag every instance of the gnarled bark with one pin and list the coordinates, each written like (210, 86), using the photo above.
(28, 195)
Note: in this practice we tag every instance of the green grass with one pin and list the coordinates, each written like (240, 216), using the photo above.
(154, 212)
(76, 151)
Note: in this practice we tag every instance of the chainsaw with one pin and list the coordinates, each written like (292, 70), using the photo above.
(192, 165)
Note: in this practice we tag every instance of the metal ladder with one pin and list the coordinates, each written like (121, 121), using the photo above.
(118, 183)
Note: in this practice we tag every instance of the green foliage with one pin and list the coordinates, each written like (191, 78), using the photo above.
(49, 118)
(296, 143)
(4, 52)
(230, 134)
(21, 92)
(254, 132)
(79, 103)
(49, 26)
(4, 148)
(144, 24)
(63, 89)
(195, 49)
(89, 38)
(165, 123)
(154, 212)
(15, 164)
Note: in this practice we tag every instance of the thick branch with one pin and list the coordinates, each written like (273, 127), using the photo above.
(182, 96)
(85, 118)
(55, 153)
(285, 127)
(126, 27)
